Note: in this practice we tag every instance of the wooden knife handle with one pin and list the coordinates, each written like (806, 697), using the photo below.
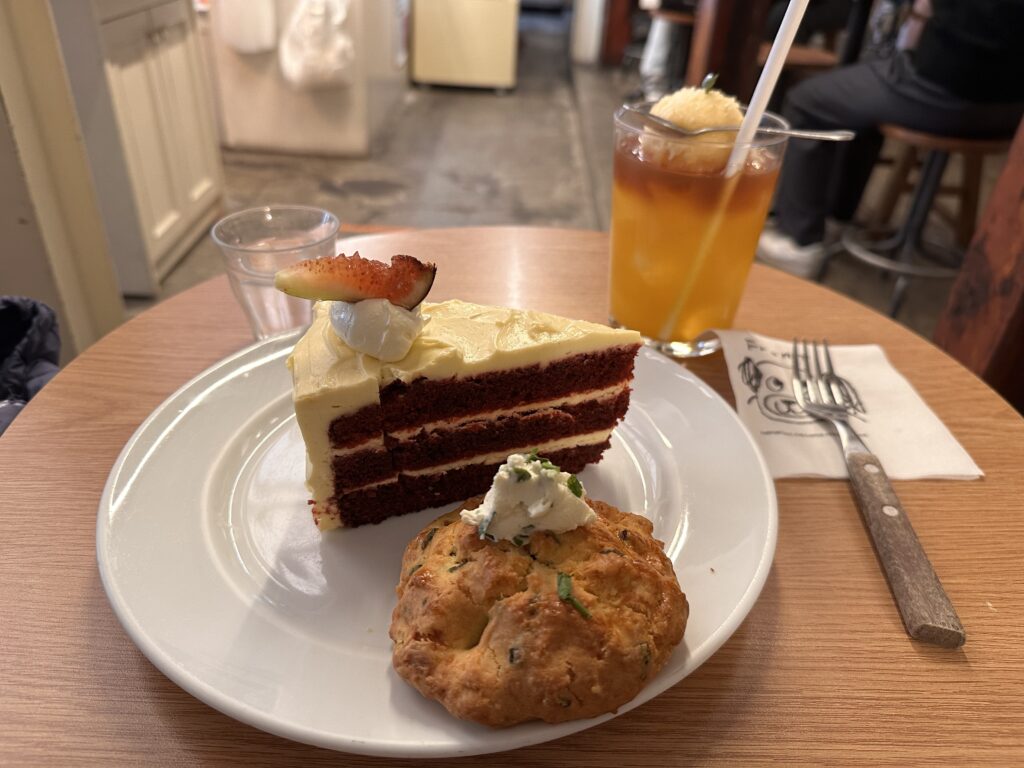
(926, 610)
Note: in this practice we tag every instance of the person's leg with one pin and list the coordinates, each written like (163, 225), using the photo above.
(860, 97)
(848, 97)
(906, 99)
(656, 59)
(853, 166)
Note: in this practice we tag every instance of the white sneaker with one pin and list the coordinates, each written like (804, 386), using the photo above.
(781, 251)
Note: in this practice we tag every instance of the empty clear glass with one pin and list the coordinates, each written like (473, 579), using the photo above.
(256, 243)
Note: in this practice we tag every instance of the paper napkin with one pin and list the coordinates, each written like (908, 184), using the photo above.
(893, 421)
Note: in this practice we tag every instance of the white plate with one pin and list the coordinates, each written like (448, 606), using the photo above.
(214, 568)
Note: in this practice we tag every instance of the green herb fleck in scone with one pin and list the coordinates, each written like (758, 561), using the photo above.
(542, 625)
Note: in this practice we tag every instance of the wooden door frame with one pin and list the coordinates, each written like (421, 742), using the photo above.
(71, 268)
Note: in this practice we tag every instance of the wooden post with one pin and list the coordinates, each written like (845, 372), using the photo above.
(726, 38)
(983, 323)
(617, 31)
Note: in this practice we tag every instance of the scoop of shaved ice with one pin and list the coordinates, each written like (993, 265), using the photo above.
(692, 109)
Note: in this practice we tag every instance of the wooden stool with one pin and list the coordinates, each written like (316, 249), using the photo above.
(896, 254)
(802, 57)
(967, 192)
(682, 18)
(802, 62)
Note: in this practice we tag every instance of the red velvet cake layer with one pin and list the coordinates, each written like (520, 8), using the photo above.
(371, 485)
(357, 427)
(512, 432)
(413, 493)
(410, 404)
(359, 468)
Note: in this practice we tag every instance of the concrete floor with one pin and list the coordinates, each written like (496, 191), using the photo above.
(539, 156)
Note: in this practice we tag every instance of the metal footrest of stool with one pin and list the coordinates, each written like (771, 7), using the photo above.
(863, 252)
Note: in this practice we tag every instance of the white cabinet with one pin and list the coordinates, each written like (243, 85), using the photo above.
(163, 111)
(465, 42)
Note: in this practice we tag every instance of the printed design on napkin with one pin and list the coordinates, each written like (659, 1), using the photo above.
(771, 383)
(885, 411)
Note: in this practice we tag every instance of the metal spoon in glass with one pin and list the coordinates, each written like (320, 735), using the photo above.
(670, 127)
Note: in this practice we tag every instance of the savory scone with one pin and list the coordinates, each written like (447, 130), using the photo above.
(551, 626)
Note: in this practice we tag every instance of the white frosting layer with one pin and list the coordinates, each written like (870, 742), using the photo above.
(529, 495)
(597, 395)
(563, 443)
(463, 339)
(373, 444)
(458, 339)
(329, 519)
(376, 327)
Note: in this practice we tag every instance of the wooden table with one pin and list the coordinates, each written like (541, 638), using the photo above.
(820, 672)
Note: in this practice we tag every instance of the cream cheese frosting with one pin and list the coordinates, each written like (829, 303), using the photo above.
(376, 327)
(329, 379)
(458, 339)
(464, 339)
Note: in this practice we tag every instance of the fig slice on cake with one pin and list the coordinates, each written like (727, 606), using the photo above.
(405, 282)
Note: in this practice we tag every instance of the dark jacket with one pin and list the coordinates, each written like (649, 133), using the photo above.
(973, 49)
(29, 351)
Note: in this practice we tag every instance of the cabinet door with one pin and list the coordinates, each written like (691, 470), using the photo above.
(185, 107)
(134, 88)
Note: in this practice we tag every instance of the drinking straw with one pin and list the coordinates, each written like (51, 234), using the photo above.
(738, 157)
(765, 85)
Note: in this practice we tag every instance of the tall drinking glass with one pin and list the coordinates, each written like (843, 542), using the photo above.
(683, 234)
(256, 243)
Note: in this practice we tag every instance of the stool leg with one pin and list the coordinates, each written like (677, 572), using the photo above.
(899, 292)
(924, 196)
(905, 159)
(833, 250)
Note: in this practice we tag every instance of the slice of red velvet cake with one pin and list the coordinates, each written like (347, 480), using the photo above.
(477, 384)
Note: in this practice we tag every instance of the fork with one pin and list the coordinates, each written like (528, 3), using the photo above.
(927, 612)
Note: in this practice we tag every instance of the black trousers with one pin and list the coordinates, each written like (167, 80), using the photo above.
(821, 179)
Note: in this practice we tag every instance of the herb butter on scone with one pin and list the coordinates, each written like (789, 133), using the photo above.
(535, 603)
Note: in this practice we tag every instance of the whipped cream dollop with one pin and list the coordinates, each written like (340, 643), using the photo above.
(377, 327)
(530, 494)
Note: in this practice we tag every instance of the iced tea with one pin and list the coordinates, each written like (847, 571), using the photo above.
(683, 241)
